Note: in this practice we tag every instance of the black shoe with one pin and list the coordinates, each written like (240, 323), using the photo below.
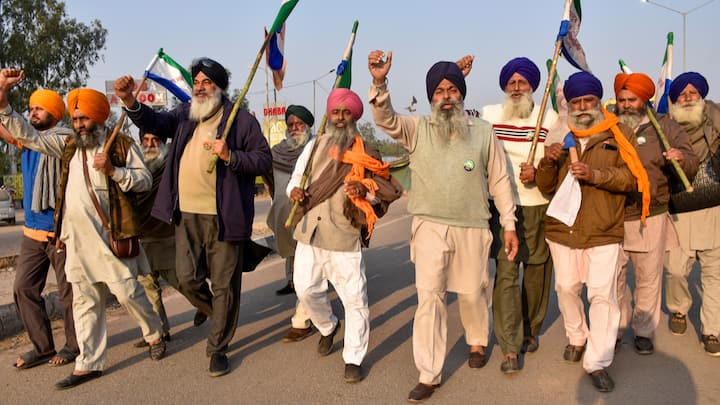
(711, 344)
(643, 345)
(530, 344)
(325, 344)
(297, 334)
(477, 360)
(421, 392)
(288, 289)
(572, 354)
(157, 351)
(74, 380)
(199, 318)
(678, 324)
(353, 373)
(510, 365)
(601, 381)
(142, 343)
(219, 365)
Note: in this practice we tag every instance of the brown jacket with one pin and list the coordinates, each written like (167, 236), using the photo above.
(602, 214)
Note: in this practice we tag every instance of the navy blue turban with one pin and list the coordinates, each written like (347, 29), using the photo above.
(213, 70)
(694, 78)
(301, 112)
(444, 70)
(525, 67)
(581, 84)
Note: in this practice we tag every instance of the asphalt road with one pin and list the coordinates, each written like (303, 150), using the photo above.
(267, 371)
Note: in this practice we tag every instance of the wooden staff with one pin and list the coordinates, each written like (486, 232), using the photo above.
(666, 145)
(321, 128)
(546, 94)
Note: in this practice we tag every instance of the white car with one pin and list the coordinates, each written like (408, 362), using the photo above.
(7, 206)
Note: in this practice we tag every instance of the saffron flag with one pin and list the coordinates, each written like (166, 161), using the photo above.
(169, 74)
(275, 58)
(569, 29)
(663, 84)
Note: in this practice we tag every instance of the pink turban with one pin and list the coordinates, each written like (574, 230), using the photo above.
(49, 101)
(345, 98)
(90, 102)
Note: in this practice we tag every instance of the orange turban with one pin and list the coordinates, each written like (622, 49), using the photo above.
(90, 102)
(49, 101)
(638, 83)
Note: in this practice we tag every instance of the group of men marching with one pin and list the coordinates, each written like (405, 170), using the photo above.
(601, 191)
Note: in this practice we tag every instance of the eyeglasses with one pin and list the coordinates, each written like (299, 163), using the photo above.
(206, 62)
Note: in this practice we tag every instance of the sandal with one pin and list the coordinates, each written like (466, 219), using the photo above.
(157, 351)
(33, 359)
(65, 357)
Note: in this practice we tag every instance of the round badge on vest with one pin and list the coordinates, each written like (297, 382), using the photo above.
(641, 140)
(469, 165)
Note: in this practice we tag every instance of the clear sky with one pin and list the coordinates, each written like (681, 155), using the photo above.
(418, 32)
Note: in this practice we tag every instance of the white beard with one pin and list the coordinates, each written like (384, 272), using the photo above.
(201, 108)
(577, 122)
(689, 115)
(449, 124)
(297, 139)
(155, 157)
(632, 118)
(520, 109)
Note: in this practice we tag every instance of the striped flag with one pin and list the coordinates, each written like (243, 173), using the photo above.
(569, 29)
(344, 69)
(624, 68)
(169, 74)
(557, 96)
(663, 84)
(275, 58)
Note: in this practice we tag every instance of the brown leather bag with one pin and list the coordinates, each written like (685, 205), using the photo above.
(121, 248)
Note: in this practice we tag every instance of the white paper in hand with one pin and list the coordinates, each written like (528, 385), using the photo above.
(566, 203)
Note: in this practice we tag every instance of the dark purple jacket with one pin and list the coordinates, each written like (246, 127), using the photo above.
(235, 183)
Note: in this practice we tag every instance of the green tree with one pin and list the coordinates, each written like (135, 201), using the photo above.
(54, 50)
(245, 105)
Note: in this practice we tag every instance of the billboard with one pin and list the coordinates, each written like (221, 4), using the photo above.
(151, 94)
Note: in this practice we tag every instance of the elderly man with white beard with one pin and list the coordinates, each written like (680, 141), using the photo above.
(697, 214)
(645, 244)
(349, 189)
(588, 250)
(213, 211)
(456, 165)
(519, 312)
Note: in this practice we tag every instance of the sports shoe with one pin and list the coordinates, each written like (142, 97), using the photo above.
(297, 334)
(643, 345)
(353, 373)
(325, 344)
(712, 345)
(678, 324)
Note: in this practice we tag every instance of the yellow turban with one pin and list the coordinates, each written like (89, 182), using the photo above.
(49, 101)
(90, 102)
(639, 84)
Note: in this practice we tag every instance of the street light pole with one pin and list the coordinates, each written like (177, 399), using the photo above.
(684, 15)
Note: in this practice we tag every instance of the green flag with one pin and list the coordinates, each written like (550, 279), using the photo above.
(344, 71)
(286, 8)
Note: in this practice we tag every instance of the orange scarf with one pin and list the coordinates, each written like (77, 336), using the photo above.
(360, 161)
(627, 153)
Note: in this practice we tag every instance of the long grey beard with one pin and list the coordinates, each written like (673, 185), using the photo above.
(575, 121)
(631, 118)
(201, 108)
(155, 157)
(517, 109)
(689, 115)
(449, 124)
(342, 137)
(90, 141)
(297, 139)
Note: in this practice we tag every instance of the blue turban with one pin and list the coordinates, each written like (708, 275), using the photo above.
(444, 70)
(680, 82)
(582, 84)
(525, 67)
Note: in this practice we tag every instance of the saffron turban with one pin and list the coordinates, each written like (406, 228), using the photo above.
(523, 66)
(90, 102)
(341, 97)
(49, 101)
(444, 70)
(582, 84)
(301, 112)
(694, 78)
(215, 71)
(639, 84)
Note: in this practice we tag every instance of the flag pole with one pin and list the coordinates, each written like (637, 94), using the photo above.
(241, 97)
(678, 170)
(123, 116)
(308, 168)
(546, 94)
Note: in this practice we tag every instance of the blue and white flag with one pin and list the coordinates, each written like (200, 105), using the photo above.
(169, 74)
(275, 56)
(569, 29)
(663, 84)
